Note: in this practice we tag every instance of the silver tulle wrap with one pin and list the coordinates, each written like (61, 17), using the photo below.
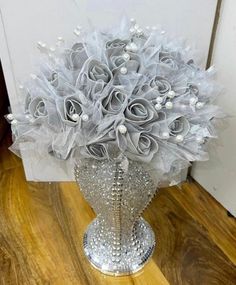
(122, 94)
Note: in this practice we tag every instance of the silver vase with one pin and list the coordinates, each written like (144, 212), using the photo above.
(118, 241)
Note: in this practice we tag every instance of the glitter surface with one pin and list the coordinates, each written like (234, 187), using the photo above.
(118, 241)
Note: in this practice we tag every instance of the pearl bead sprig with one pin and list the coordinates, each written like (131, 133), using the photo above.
(169, 105)
(135, 29)
(41, 45)
(33, 76)
(84, 117)
(159, 99)
(132, 47)
(171, 94)
(122, 129)
(77, 31)
(193, 101)
(123, 70)
(199, 105)
(158, 106)
(126, 56)
(10, 117)
(75, 117)
(165, 135)
(200, 140)
(14, 122)
(179, 138)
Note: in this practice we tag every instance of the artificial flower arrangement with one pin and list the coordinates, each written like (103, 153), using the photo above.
(126, 93)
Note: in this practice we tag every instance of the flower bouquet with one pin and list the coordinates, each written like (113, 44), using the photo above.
(133, 109)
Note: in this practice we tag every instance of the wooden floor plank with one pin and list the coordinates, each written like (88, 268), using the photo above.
(209, 213)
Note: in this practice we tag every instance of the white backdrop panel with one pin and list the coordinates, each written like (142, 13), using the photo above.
(218, 174)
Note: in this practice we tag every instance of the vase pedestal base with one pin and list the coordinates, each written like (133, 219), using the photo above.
(122, 256)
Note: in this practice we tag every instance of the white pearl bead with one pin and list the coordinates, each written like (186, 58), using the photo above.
(21, 87)
(28, 117)
(169, 105)
(158, 106)
(123, 70)
(76, 32)
(179, 138)
(52, 49)
(75, 117)
(165, 135)
(60, 39)
(41, 44)
(193, 101)
(84, 117)
(122, 129)
(132, 20)
(132, 30)
(200, 140)
(126, 56)
(139, 31)
(33, 76)
(163, 32)
(14, 122)
(171, 94)
(159, 99)
(10, 117)
(128, 47)
(133, 47)
(199, 105)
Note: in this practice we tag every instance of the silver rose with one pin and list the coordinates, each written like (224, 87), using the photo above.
(60, 83)
(117, 44)
(75, 57)
(94, 77)
(138, 144)
(169, 59)
(114, 101)
(36, 107)
(178, 125)
(97, 151)
(70, 109)
(140, 111)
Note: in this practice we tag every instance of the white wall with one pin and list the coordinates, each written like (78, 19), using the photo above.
(25, 22)
(218, 175)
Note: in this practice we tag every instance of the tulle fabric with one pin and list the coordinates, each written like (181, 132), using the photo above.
(86, 79)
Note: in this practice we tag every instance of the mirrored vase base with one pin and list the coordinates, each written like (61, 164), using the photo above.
(131, 256)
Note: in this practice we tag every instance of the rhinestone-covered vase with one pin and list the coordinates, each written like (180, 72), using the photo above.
(118, 241)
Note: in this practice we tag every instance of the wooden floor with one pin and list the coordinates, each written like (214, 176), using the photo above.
(42, 224)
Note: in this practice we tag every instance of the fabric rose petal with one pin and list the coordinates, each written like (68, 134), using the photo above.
(140, 111)
(95, 150)
(70, 109)
(178, 125)
(75, 57)
(138, 144)
(93, 78)
(114, 101)
(36, 108)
